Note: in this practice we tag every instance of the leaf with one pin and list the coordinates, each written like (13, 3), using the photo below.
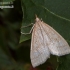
(32, 7)
(55, 13)
(5, 61)
(64, 63)
(59, 7)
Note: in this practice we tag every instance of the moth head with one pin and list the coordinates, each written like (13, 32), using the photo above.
(37, 19)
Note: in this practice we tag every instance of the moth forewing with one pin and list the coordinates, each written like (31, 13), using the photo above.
(46, 40)
(39, 52)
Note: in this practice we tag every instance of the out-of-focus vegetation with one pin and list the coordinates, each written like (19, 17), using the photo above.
(15, 47)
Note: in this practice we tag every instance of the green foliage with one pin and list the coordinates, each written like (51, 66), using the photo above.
(15, 47)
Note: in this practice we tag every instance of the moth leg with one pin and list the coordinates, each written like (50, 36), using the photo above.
(27, 25)
(30, 30)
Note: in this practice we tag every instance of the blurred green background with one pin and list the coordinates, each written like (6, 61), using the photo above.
(15, 47)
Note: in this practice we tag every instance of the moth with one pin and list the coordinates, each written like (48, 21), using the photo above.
(46, 41)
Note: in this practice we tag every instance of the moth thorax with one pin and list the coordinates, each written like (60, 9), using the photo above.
(37, 19)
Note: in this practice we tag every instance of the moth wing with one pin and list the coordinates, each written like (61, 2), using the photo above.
(39, 51)
(58, 46)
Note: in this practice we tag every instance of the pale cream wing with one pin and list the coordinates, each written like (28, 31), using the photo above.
(58, 45)
(39, 50)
